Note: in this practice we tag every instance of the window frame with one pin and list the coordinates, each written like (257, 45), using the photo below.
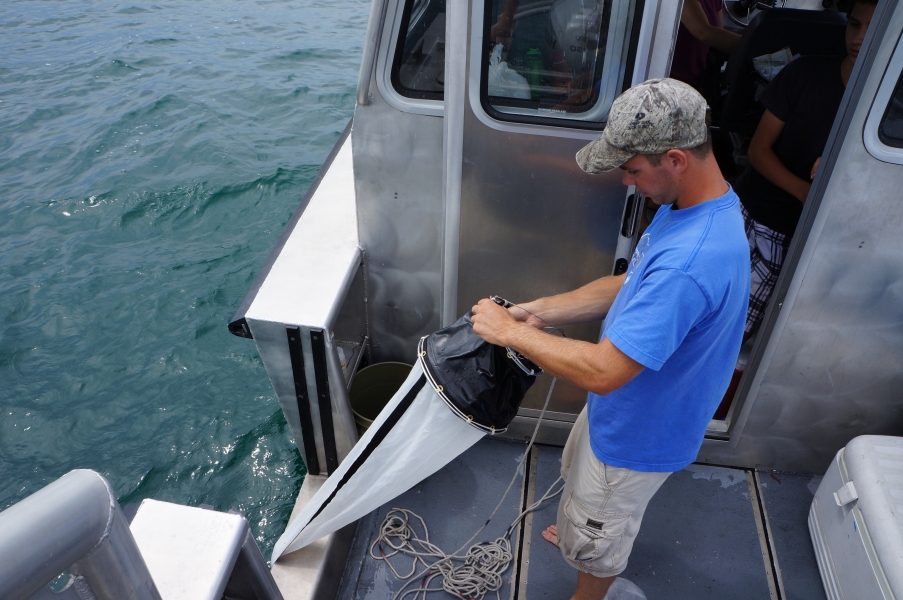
(388, 45)
(395, 66)
(893, 76)
(482, 61)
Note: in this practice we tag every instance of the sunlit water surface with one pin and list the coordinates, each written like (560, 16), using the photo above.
(149, 157)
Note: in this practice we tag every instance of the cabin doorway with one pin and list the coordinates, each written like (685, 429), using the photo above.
(864, 138)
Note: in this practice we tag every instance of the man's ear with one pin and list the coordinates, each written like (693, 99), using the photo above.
(677, 160)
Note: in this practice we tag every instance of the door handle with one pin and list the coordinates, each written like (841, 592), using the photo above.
(628, 223)
(633, 207)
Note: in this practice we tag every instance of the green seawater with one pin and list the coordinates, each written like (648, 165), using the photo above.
(150, 155)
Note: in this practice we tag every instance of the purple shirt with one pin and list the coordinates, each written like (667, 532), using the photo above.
(688, 64)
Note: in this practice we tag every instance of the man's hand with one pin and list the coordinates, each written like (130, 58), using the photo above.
(599, 368)
(494, 323)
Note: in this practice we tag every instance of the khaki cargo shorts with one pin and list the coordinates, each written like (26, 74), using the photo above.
(601, 508)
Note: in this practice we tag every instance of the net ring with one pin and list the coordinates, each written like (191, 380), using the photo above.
(440, 389)
(470, 418)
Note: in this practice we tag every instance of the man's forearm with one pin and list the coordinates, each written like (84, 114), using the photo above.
(719, 39)
(599, 368)
(588, 303)
(693, 17)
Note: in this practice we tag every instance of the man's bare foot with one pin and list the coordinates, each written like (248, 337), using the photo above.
(550, 534)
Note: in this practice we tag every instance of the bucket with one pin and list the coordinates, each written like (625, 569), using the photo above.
(372, 388)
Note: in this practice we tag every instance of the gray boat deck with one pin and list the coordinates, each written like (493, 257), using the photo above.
(709, 533)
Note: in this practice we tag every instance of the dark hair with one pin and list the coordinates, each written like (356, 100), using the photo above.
(702, 150)
(847, 6)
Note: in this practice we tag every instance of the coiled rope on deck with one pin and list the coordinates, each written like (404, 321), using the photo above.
(479, 570)
(470, 576)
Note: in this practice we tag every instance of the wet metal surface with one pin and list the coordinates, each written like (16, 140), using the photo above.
(787, 498)
(454, 502)
(549, 576)
(698, 540)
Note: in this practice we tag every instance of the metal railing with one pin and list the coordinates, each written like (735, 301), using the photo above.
(74, 524)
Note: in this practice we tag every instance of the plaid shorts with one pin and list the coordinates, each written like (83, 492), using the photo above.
(767, 249)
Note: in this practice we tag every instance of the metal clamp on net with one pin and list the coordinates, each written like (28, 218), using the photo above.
(519, 359)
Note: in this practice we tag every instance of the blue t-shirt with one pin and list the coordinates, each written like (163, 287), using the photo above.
(680, 314)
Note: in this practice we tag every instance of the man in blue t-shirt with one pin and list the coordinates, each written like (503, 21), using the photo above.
(673, 326)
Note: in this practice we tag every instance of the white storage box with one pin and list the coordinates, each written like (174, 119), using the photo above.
(856, 521)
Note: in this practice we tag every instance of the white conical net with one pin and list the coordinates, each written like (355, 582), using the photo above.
(414, 436)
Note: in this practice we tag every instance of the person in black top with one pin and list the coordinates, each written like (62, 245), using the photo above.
(800, 104)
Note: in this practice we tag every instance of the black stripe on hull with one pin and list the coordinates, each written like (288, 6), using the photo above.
(380, 435)
(307, 425)
(318, 346)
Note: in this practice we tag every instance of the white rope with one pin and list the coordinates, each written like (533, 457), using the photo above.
(550, 493)
(471, 576)
(479, 570)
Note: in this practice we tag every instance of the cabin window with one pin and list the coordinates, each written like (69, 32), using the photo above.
(890, 131)
(418, 70)
(883, 133)
(565, 59)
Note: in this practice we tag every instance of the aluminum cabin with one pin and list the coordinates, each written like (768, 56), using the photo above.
(452, 183)
(438, 194)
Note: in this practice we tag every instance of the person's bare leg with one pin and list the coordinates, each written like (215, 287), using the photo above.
(590, 587)
(550, 534)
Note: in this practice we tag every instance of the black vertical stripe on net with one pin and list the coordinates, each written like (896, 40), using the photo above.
(307, 424)
(318, 345)
(375, 441)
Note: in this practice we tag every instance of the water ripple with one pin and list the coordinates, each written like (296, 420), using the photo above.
(149, 157)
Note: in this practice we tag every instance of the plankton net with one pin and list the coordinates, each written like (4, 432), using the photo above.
(460, 389)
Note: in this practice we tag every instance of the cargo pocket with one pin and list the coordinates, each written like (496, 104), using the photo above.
(592, 535)
(611, 476)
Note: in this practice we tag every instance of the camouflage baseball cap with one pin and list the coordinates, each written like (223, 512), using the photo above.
(651, 118)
